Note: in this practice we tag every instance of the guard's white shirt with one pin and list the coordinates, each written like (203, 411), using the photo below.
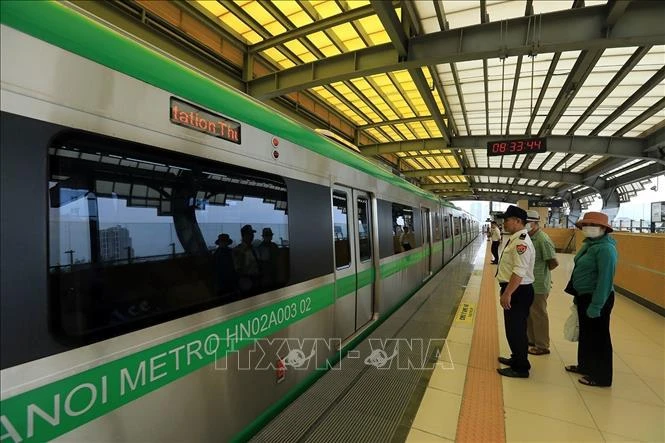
(496, 234)
(518, 258)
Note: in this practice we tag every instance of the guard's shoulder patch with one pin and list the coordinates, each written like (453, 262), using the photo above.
(521, 249)
(522, 236)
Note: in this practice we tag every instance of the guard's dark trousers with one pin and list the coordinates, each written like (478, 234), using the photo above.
(495, 251)
(594, 350)
(515, 320)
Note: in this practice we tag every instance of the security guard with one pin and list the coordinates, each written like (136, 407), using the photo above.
(515, 275)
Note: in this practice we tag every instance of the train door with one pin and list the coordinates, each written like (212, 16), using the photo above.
(354, 276)
(467, 231)
(364, 259)
(447, 236)
(427, 240)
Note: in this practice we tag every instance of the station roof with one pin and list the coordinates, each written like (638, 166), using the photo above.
(422, 86)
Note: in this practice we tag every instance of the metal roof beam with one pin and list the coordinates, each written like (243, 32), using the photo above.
(645, 88)
(411, 12)
(656, 107)
(404, 146)
(396, 122)
(393, 26)
(452, 126)
(518, 71)
(577, 163)
(640, 25)
(411, 157)
(288, 25)
(583, 67)
(625, 69)
(620, 147)
(487, 98)
(460, 95)
(632, 177)
(485, 18)
(446, 186)
(528, 10)
(593, 174)
(421, 83)
(543, 90)
(530, 174)
(549, 192)
(443, 24)
(316, 26)
(485, 196)
(656, 140)
(615, 9)
(414, 23)
(516, 83)
(564, 160)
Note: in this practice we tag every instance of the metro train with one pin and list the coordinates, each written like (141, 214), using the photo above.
(134, 285)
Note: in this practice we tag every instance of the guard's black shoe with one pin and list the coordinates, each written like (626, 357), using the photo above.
(510, 372)
(505, 361)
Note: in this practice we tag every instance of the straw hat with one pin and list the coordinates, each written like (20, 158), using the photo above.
(595, 218)
(532, 216)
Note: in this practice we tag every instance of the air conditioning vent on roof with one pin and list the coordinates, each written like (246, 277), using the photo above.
(337, 139)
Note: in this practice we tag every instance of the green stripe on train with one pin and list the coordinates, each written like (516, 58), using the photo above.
(78, 399)
(52, 410)
(67, 29)
(348, 285)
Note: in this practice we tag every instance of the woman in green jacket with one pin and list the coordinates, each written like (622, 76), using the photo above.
(595, 264)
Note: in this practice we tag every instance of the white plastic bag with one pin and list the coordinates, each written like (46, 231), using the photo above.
(571, 329)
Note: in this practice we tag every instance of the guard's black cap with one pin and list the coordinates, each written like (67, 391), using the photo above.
(515, 211)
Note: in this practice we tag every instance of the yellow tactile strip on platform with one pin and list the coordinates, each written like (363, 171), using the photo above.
(481, 415)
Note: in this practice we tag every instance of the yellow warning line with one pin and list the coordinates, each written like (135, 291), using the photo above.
(481, 416)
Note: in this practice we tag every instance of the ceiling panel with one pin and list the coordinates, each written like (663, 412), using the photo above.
(386, 98)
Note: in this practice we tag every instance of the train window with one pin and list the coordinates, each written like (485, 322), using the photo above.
(364, 233)
(446, 226)
(437, 226)
(457, 225)
(341, 231)
(137, 237)
(404, 238)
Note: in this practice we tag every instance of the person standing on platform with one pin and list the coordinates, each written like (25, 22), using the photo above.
(538, 323)
(495, 235)
(592, 278)
(515, 275)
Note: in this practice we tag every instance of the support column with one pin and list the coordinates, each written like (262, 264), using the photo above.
(610, 203)
(575, 211)
(556, 218)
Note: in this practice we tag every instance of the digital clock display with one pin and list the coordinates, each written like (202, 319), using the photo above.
(517, 146)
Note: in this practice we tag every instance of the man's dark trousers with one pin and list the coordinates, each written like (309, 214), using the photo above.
(495, 251)
(515, 321)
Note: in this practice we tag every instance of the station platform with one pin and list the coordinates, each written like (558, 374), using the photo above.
(428, 374)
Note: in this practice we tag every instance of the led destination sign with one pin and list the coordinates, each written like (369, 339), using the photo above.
(517, 146)
(193, 117)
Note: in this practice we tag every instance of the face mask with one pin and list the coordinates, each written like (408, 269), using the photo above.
(529, 227)
(592, 231)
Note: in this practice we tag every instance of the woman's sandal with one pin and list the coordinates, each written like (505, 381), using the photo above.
(574, 369)
(538, 351)
(590, 382)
